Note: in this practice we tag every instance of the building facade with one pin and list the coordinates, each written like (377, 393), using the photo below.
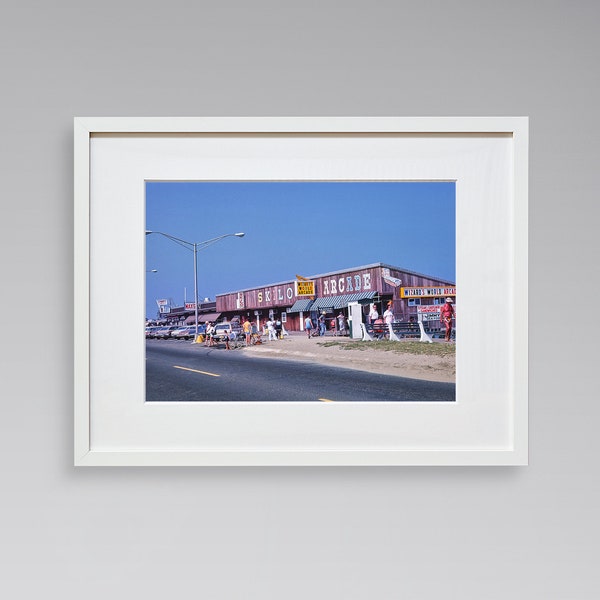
(329, 294)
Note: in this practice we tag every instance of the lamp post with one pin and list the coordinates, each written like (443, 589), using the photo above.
(194, 247)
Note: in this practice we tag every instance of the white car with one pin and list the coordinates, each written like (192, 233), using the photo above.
(164, 333)
(181, 333)
(188, 332)
(225, 330)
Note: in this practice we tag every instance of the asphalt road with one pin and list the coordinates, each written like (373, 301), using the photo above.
(183, 372)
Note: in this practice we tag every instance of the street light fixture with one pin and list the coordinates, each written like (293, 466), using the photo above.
(194, 247)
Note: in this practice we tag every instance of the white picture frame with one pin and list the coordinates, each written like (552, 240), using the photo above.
(488, 159)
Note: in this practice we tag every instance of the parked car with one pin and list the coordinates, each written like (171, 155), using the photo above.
(180, 333)
(224, 330)
(151, 331)
(164, 333)
(188, 332)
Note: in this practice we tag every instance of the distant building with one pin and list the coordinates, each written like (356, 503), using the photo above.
(186, 314)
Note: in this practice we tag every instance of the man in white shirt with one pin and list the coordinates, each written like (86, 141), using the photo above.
(271, 330)
(373, 314)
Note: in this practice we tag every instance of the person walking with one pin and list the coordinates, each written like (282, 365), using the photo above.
(446, 314)
(341, 324)
(271, 329)
(308, 326)
(209, 335)
(322, 325)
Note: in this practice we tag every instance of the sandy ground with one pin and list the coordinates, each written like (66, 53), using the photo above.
(299, 347)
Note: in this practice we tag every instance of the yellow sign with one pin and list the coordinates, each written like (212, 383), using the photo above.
(426, 292)
(305, 288)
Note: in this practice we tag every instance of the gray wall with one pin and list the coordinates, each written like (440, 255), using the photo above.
(430, 533)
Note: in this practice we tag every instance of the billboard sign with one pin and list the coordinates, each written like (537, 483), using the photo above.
(304, 288)
(427, 292)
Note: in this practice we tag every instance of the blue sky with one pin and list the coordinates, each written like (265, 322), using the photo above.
(303, 228)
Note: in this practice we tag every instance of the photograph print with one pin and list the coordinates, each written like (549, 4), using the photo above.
(300, 291)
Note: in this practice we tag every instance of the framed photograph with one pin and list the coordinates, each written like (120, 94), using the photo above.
(379, 319)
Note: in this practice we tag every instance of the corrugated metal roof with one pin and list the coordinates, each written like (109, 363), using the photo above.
(361, 296)
(336, 302)
(301, 305)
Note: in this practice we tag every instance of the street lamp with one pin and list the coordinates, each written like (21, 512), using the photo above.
(194, 247)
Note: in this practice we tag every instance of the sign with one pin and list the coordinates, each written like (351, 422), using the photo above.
(431, 312)
(276, 295)
(346, 284)
(305, 288)
(426, 292)
(163, 306)
(190, 306)
(387, 277)
(240, 303)
(431, 308)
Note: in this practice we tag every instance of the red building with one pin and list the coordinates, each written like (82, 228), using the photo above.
(330, 293)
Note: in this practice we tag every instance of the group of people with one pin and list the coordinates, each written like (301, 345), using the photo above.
(380, 324)
(338, 327)
(388, 315)
(275, 329)
(311, 329)
(251, 334)
(209, 336)
(248, 328)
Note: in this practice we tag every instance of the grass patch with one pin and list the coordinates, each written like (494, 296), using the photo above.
(403, 347)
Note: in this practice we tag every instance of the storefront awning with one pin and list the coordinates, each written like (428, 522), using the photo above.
(301, 305)
(336, 302)
(202, 318)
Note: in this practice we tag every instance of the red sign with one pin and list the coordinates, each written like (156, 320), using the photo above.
(434, 308)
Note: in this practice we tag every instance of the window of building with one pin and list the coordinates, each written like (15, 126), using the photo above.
(414, 301)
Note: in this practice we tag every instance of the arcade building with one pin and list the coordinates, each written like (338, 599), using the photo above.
(413, 297)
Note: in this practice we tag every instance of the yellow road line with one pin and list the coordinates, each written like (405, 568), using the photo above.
(326, 400)
(196, 371)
